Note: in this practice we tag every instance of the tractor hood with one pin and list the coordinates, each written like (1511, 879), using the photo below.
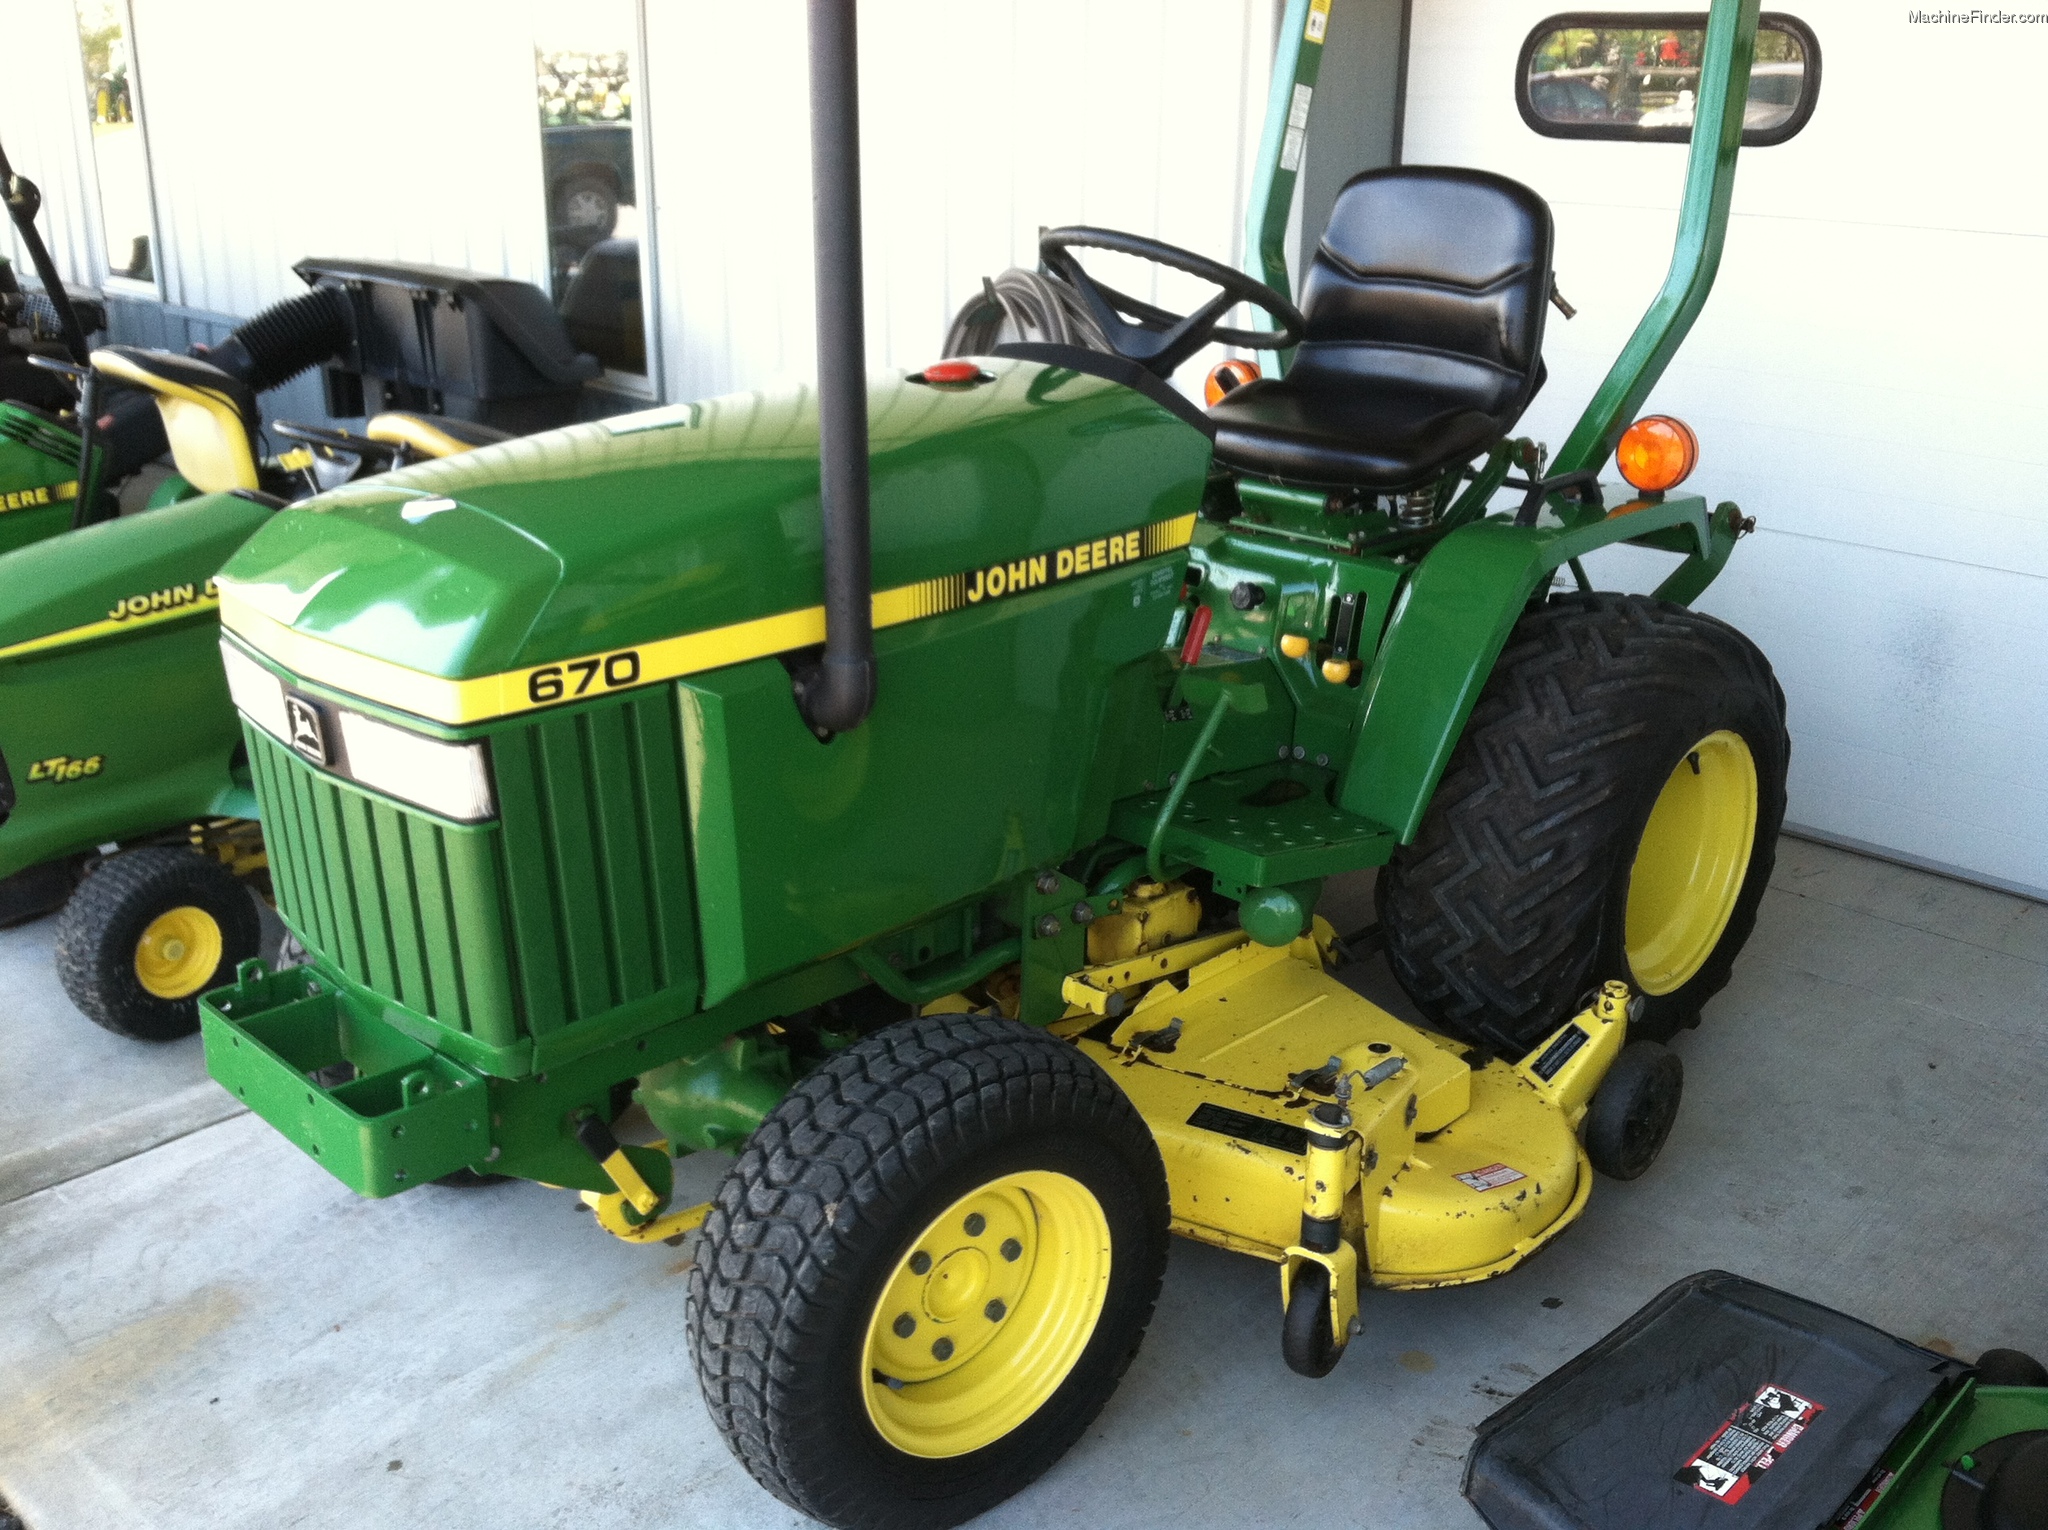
(696, 517)
(120, 576)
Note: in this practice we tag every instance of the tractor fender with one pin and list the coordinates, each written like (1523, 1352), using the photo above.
(1452, 618)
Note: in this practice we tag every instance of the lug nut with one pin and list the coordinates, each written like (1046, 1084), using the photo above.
(942, 1349)
(1011, 1250)
(905, 1325)
(920, 1263)
(994, 1311)
(976, 1224)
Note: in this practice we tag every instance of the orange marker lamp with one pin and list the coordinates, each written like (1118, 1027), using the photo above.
(1656, 453)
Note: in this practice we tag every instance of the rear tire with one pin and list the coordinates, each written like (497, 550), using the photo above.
(1615, 733)
(147, 933)
(848, 1237)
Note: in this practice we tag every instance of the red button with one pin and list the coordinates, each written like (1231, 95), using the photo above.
(953, 372)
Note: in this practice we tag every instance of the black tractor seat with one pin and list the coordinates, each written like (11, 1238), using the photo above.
(1425, 305)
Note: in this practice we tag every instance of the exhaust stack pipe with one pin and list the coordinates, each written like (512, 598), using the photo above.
(835, 694)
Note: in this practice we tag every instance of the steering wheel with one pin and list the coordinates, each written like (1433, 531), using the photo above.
(1160, 341)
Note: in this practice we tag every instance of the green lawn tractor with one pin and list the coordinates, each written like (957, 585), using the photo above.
(122, 769)
(1725, 1402)
(922, 786)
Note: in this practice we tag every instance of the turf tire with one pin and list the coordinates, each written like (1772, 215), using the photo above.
(102, 925)
(826, 1198)
(1509, 907)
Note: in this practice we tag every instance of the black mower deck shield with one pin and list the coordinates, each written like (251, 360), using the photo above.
(1722, 1405)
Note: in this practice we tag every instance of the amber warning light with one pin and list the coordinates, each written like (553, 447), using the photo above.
(1656, 453)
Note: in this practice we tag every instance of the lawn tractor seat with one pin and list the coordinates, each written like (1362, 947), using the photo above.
(209, 416)
(1425, 306)
(432, 435)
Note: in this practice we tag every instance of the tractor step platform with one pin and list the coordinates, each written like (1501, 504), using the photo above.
(1260, 828)
(379, 1110)
(1720, 1392)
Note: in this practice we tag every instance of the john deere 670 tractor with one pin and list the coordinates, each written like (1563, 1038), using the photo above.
(922, 786)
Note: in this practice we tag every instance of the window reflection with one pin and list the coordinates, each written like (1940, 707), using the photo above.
(583, 67)
(118, 156)
(1643, 82)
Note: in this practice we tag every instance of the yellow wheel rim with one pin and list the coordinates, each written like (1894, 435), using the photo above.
(1690, 864)
(987, 1314)
(178, 952)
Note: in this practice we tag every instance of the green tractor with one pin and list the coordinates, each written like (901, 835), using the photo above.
(922, 786)
(125, 794)
(1725, 1392)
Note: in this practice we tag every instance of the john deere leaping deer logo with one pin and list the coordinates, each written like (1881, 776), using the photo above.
(309, 735)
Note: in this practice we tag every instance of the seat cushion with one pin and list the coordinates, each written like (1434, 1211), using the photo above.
(1377, 436)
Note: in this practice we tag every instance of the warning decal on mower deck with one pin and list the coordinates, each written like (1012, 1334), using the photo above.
(1492, 1177)
(1749, 1444)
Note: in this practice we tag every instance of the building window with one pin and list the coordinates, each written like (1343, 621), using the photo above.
(120, 155)
(596, 234)
(1630, 75)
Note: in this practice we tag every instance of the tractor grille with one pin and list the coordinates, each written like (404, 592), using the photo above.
(574, 903)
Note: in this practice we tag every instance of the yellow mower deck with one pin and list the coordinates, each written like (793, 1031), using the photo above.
(1462, 1171)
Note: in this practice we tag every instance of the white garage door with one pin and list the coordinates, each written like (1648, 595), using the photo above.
(1868, 380)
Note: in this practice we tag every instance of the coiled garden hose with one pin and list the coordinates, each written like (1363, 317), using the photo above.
(1022, 305)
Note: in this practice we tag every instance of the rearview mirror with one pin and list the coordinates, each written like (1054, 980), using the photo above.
(1635, 76)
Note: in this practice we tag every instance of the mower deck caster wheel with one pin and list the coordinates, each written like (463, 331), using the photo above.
(2010, 1368)
(148, 932)
(1306, 1343)
(1633, 1110)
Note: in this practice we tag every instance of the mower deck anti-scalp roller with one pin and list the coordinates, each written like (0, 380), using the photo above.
(923, 787)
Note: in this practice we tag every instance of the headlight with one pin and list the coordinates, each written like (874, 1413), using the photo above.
(452, 780)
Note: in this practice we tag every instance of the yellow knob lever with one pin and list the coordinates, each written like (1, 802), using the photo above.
(1294, 645)
(1336, 671)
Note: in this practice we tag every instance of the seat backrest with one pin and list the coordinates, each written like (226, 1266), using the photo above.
(1432, 277)
(209, 417)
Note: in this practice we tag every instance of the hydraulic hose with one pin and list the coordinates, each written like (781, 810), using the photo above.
(1022, 305)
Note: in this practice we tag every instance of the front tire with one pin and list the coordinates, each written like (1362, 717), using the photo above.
(927, 1272)
(1612, 811)
(148, 932)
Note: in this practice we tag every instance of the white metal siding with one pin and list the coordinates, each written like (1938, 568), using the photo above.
(1866, 380)
(400, 130)
(980, 123)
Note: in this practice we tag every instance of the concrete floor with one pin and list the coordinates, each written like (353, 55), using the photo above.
(202, 1329)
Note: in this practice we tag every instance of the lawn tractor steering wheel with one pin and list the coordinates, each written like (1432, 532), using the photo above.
(1160, 341)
